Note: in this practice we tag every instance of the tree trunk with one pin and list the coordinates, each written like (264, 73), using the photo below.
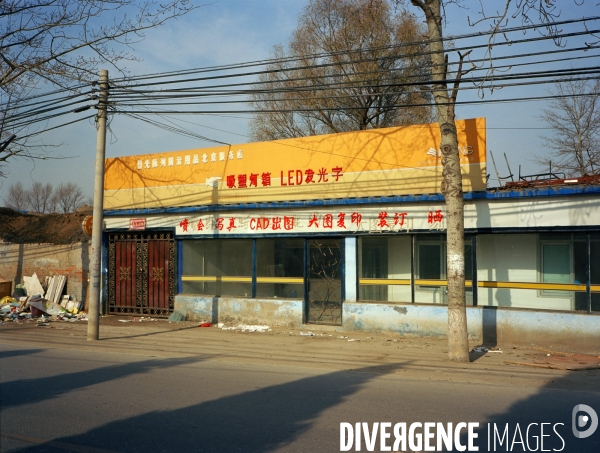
(458, 345)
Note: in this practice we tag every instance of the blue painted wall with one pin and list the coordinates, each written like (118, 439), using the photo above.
(273, 312)
(487, 325)
(490, 326)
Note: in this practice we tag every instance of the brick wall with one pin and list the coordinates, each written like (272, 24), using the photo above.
(71, 260)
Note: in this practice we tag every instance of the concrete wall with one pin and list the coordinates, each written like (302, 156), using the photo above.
(273, 312)
(71, 260)
(487, 325)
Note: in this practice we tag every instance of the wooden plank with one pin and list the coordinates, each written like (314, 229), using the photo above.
(62, 280)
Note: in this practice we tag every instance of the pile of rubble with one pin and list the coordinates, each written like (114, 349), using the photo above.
(31, 301)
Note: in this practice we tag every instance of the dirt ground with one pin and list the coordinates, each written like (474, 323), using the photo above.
(32, 228)
(327, 346)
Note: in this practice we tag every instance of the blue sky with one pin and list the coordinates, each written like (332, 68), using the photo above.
(232, 31)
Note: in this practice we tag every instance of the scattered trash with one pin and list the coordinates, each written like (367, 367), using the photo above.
(352, 339)
(8, 300)
(124, 320)
(46, 306)
(247, 328)
(307, 334)
(204, 324)
(557, 360)
(484, 349)
(176, 317)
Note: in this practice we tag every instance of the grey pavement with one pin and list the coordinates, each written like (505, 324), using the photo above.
(155, 386)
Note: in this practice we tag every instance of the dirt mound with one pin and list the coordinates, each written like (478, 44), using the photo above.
(32, 228)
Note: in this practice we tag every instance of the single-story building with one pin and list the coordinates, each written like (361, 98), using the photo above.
(349, 230)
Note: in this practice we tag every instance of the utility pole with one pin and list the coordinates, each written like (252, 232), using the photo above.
(93, 332)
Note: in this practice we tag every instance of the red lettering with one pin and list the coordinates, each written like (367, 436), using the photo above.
(341, 223)
(282, 183)
(399, 218)
(383, 220)
(322, 175)
(288, 223)
(434, 218)
(253, 223)
(327, 221)
(264, 223)
(337, 172)
(266, 179)
(220, 225)
(310, 174)
(200, 226)
(299, 177)
(184, 224)
(253, 180)
(314, 221)
(276, 223)
(291, 177)
(231, 181)
(231, 224)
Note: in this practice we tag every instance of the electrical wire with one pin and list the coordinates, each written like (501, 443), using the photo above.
(447, 39)
(123, 96)
(57, 127)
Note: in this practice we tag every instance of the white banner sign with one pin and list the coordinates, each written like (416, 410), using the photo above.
(385, 219)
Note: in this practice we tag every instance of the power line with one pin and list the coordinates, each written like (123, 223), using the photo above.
(57, 127)
(123, 97)
(342, 52)
(341, 63)
(523, 76)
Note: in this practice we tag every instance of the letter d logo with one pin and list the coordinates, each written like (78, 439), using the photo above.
(581, 421)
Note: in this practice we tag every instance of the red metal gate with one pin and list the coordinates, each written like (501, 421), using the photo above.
(141, 273)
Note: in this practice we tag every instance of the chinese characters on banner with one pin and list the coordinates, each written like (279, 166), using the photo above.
(350, 221)
(188, 159)
(242, 181)
(286, 178)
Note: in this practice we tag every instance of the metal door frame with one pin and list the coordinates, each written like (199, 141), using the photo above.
(307, 262)
(141, 274)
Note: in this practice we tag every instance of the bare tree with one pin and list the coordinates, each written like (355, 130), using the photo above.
(69, 197)
(17, 198)
(61, 41)
(41, 198)
(350, 64)
(574, 116)
(445, 91)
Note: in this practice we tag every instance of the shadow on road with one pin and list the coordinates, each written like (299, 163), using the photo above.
(25, 391)
(272, 418)
(18, 352)
(520, 427)
(257, 421)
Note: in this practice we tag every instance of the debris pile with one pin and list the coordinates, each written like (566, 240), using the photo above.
(27, 302)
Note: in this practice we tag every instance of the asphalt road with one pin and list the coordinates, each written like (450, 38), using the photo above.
(224, 392)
